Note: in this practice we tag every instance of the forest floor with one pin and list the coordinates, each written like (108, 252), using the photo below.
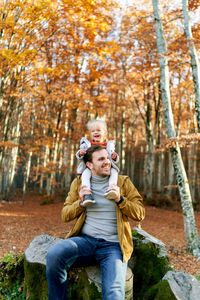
(20, 223)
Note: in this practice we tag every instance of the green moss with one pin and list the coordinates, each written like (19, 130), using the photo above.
(80, 288)
(148, 267)
(197, 276)
(160, 291)
(136, 235)
(36, 286)
(11, 276)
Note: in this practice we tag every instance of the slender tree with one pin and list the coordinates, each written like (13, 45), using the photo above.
(194, 58)
(181, 177)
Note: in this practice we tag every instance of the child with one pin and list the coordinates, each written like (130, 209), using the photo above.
(98, 134)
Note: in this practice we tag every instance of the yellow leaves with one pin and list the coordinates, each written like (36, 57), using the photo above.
(12, 58)
(6, 54)
(91, 2)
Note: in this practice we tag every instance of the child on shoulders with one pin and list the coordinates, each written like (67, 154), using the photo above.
(98, 136)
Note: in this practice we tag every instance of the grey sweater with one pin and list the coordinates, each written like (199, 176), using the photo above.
(101, 218)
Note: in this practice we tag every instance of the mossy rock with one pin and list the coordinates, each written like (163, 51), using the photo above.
(12, 276)
(149, 262)
(36, 287)
(160, 291)
(80, 288)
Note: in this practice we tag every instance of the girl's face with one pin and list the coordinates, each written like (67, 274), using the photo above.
(98, 133)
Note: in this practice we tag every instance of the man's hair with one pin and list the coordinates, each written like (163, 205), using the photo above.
(88, 155)
(90, 124)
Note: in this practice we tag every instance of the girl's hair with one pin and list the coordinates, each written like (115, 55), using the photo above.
(90, 124)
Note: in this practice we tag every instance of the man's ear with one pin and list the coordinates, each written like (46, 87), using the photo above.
(89, 165)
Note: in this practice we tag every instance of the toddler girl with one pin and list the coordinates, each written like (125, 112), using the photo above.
(98, 135)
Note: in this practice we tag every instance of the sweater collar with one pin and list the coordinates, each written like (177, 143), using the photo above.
(97, 179)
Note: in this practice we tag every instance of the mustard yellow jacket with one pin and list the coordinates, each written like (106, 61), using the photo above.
(132, 207)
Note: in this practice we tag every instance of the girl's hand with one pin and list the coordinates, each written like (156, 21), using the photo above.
(114, 156)
(82, 152)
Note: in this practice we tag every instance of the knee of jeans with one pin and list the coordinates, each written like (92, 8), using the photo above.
(51, 259)
(61, 255)
(115, 292)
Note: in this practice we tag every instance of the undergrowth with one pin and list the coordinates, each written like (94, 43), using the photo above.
(12, 277)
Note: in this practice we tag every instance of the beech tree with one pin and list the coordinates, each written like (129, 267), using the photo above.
(181, 177)
(194, 58)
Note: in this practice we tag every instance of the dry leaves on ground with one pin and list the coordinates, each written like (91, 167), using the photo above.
(21, 223)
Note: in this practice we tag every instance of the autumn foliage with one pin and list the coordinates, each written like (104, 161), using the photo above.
(65, 62)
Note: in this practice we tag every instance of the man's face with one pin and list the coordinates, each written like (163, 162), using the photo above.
(100, 165)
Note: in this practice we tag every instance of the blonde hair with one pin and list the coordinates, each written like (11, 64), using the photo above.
(90, 124)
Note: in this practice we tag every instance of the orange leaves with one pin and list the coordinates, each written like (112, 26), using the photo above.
(194, 4)
(8, 144)
(64, 62)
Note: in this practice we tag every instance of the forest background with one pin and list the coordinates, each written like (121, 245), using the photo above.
(63, 63)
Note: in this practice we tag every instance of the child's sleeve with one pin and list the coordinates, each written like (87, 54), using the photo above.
(84, 144)
(111, 149)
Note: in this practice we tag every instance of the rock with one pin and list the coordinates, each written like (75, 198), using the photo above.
(149, 262)
(37, 249)
(84, 283)
(175, 285)
(144, 238)
(36, 286)
(94, 275)
(183, 285)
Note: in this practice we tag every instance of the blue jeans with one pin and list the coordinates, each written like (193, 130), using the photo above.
(83, 250)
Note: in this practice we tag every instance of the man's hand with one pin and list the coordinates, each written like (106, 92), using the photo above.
(84, 191)
(115, 188)
(82, 152)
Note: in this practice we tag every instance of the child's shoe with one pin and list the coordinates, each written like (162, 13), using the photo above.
(88, 200)
(111, 195)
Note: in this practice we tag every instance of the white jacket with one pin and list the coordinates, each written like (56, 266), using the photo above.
(85, 144)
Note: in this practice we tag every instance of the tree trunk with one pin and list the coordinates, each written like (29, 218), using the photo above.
(13, 157)
(149, 168)
(46, 157)
(194, 58)
(181, 177)
(159, 175)
(51, 189)
(27, 172)
(170, 175)
(192, 170)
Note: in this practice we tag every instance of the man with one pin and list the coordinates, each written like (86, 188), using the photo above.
(101, 233)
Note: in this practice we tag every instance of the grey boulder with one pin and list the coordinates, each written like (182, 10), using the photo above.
(183, 285)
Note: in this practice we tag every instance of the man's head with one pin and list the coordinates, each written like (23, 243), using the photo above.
(97, 160)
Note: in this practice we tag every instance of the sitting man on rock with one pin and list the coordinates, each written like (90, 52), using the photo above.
(101, 233)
